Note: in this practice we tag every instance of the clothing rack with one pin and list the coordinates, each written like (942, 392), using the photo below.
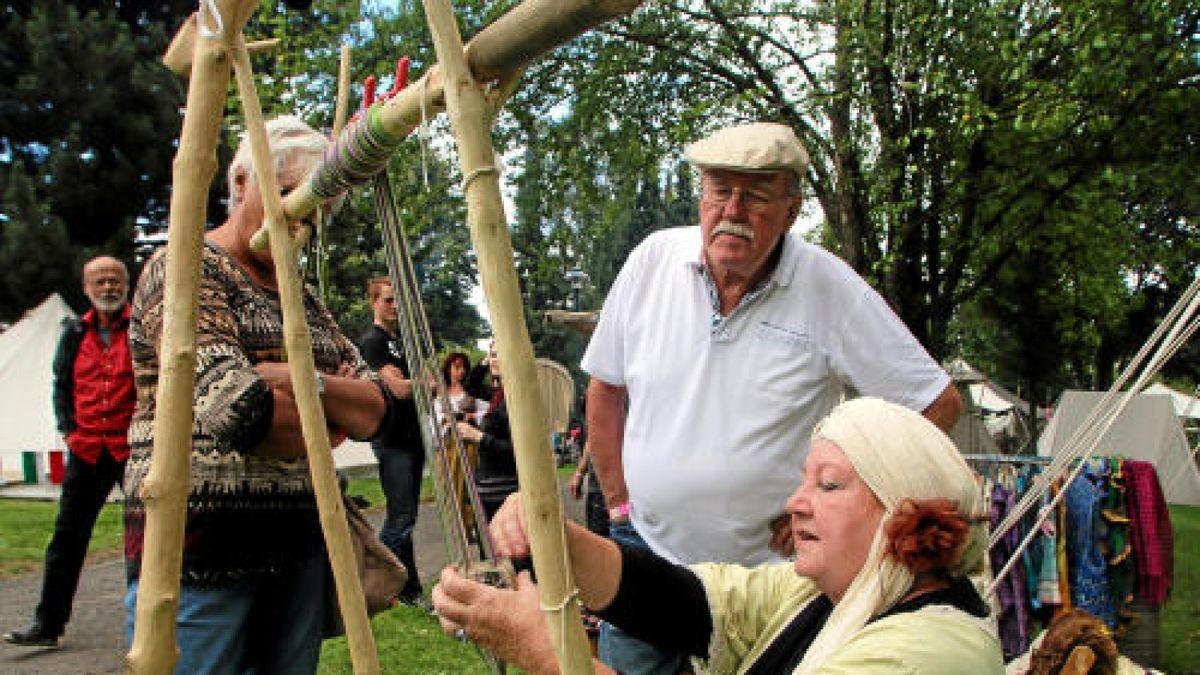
(1006, 459)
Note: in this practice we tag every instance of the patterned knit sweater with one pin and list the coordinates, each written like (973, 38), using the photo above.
(248, 516)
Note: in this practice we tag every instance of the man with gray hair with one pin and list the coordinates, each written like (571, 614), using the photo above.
(718, 349)
(254, 582)
(93, 401)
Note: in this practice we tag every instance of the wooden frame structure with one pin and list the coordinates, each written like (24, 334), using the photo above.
(207, 49)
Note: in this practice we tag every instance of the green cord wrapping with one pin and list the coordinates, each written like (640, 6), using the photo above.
(361, 151)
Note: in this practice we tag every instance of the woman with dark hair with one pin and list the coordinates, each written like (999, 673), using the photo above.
(496, 473)
(463, 406)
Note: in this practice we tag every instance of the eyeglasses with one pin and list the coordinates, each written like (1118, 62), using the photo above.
(754, 199)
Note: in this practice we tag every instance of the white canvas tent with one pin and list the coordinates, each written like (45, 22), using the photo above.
(1185, 406)
(1147, 429)
(972, 436)
(26, 356)
(998, 412)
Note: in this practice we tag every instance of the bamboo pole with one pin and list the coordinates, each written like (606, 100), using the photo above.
(298, 343)
(165, 488)
(501, 49)
(470, 118)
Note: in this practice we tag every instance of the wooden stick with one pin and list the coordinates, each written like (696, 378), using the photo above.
(178, 58)
(341, 109)
(165, 488)
(470, 118)
(503, 48)
(302, 368)
(533, 28)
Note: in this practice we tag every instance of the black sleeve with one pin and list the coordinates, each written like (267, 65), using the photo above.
(497, 436)
(64, 377)
(661, 603)
(476, 383)
(374, 349)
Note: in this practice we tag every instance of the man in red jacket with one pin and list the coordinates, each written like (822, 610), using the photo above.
(93, 402)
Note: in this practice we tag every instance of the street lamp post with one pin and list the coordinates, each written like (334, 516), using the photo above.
(576, 277)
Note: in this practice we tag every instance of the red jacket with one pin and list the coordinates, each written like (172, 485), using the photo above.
(97, 379)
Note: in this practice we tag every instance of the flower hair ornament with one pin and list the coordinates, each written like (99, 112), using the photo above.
(928, 535)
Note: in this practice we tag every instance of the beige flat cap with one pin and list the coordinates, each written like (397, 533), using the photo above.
(760, 146)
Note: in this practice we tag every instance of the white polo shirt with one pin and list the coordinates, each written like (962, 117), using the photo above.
(721, 408)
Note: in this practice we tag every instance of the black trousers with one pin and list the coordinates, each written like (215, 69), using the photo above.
(85, 487)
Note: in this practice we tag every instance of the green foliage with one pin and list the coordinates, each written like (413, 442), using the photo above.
(953, 145)
(79, 166)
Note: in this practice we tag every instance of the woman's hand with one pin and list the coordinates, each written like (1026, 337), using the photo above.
(468, 433)
(507, 527)
(506, 622)
(575, 487)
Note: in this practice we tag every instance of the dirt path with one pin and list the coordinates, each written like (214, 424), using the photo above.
(94, 643)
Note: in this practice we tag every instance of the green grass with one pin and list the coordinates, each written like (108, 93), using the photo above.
(1180, 627)
(410, 641)
(26, 526)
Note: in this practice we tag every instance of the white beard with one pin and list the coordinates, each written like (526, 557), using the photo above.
(108, 304)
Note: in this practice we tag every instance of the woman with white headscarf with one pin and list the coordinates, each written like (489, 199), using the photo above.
(887, 528)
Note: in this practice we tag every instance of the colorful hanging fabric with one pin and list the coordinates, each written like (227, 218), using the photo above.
(1048, 593)
(1087, 567)
(1014, 616)
(1064, 569)
(1116, 545)
(1153, 541)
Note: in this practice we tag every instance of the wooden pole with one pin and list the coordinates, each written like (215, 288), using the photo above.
(165, 488)
(301, 366)
(470, 118)
(342, 107)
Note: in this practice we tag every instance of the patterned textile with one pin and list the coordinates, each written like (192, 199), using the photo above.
(1116, 545)
(1088, 569)
(1153, 541)
(1060, 554)
(247, 516)
(1010, 592)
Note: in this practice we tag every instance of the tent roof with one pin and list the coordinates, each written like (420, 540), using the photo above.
(1185, 406)
(961, 371)
(26, 357)
(972, 436)
(985, 393)
(1147, 429)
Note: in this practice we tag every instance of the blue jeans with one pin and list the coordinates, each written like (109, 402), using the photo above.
(400, 477)
(620, 650)
(270, 627)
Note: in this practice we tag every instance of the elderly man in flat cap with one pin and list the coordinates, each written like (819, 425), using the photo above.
(719, 348)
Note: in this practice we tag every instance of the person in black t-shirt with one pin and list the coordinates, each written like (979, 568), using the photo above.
(398, 449)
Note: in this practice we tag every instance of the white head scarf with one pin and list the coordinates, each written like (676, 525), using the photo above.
(900, 455)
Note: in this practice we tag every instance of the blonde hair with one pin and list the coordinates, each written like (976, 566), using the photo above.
(288, 136)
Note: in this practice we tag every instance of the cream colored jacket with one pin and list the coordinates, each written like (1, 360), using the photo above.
(750, 606)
